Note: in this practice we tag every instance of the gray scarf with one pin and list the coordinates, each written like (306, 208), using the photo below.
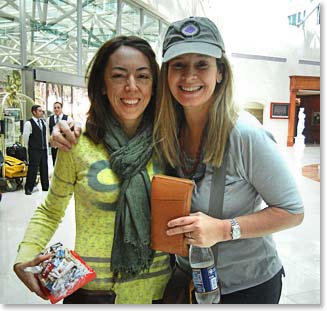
(131, 252)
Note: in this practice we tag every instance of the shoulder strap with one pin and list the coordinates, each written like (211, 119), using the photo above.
(217, 190)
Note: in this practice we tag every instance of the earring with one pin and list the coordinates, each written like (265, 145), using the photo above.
(218, 81)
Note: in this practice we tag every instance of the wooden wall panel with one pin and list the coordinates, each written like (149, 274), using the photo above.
(298, 83)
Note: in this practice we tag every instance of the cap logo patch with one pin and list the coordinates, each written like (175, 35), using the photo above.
(190, 29)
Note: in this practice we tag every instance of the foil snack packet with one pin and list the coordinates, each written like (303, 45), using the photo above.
(63, 273)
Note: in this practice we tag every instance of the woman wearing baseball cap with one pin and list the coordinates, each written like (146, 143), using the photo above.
(197, 123)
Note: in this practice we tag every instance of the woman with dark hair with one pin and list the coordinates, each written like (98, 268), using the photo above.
(109, 173)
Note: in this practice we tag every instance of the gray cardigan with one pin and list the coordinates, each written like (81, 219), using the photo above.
(257, 176)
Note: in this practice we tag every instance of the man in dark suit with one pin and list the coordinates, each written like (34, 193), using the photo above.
(53, 120)
(35, 138)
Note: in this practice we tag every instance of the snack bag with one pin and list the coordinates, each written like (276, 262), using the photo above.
(63, 273)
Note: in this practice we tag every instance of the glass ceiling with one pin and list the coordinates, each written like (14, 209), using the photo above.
(63, 35)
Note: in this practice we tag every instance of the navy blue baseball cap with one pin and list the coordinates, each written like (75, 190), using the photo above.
(192, 35)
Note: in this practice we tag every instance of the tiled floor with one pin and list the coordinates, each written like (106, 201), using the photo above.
(299, 247)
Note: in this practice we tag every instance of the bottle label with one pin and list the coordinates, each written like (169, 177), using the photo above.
(205, 279)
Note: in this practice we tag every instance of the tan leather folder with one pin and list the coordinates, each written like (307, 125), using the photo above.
(170, 199)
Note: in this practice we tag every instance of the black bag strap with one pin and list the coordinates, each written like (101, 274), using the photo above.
(217, 190)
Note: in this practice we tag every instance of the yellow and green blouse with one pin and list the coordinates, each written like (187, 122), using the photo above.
(85, 172)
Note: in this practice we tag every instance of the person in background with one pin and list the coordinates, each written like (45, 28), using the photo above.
(197, 123)
(109, 173)
(35, 136)
(53, 120)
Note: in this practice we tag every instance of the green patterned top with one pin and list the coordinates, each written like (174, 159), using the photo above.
(85, 172)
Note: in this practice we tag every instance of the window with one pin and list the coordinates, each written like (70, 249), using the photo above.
(130, 20)
(51, 35)
(292, 19)
(10, 33)
(99, 19)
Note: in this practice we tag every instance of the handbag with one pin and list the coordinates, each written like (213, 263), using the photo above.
(179, 288)
(84, 296)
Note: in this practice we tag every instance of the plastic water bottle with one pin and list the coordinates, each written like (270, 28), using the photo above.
(204, 275)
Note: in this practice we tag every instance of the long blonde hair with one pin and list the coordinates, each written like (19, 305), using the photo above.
(169, 115)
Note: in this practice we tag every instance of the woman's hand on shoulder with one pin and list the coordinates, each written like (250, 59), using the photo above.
(64, 134)
(28, 278)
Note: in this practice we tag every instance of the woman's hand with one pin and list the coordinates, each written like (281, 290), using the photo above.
(64, 134)
(28, 278)
(200, 229)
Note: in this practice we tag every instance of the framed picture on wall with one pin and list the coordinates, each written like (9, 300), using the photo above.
(279, 110)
